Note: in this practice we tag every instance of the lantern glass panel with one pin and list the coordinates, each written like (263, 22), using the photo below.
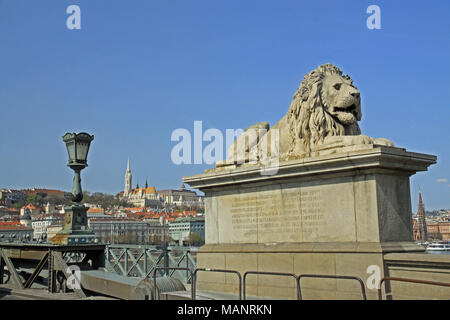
(70, 145)
(82, 151)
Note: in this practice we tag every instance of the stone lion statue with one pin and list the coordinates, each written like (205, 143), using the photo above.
(324, 113)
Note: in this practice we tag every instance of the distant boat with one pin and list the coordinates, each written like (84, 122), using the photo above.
(438, 246)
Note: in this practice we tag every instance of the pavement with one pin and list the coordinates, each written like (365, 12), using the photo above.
(204, 295)
(8, 292)
(4, 296)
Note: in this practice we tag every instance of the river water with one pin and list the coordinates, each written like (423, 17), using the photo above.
(438, 252)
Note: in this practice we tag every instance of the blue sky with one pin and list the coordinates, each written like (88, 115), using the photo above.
(137, 70)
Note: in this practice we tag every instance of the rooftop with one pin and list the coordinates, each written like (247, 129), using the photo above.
(149, 190)
(13, 225)
(96, 210)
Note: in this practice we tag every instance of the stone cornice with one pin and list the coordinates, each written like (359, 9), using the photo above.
(315, 247)
(368, 158)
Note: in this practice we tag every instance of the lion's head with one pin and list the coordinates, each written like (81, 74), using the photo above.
(325, 104)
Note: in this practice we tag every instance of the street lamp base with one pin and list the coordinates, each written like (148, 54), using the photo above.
(74, 239)
(75, 229)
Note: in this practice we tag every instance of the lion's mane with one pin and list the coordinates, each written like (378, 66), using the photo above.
(307, 117)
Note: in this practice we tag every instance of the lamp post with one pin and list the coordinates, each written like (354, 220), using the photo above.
(75, 228)
(77, 145)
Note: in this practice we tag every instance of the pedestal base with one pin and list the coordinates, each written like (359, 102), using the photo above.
(363, 260)
(335, 214)
(72, 239)
(75, 229)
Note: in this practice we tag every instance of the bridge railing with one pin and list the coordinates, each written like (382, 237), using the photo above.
(389, 294)
(142, 260)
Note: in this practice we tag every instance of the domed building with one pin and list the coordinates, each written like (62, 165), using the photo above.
(25, 219)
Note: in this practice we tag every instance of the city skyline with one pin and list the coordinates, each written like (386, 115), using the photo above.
(135, 73)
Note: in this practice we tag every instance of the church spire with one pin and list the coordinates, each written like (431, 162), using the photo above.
(146, 184)
(128, 180)
(422, 223)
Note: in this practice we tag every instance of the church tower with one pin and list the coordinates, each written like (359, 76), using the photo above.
(128, 179)
(421, 220)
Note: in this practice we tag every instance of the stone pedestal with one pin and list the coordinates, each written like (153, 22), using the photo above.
(332, 214)
(75, 229)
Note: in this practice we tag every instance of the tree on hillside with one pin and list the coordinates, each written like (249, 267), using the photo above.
(106, 201)
(31, 198)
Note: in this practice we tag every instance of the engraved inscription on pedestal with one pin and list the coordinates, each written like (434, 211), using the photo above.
(244, 215)
(313, 215)
(277, 216)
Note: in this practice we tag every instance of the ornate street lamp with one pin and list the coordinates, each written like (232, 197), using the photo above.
(75, 228)
(77, 145)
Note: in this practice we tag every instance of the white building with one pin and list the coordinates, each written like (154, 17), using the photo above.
(128, 231)
(181, 229)
(181, 197)
(41, 225)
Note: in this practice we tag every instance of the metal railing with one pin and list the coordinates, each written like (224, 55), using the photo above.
(142, 260)
(73, 256)
(297, 280)
(242, 280)
(180, 262)
(322, 276)
(433, 283)
(194, 282)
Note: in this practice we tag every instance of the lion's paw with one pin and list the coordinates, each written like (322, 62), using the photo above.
(383, 142)
(359, 139)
